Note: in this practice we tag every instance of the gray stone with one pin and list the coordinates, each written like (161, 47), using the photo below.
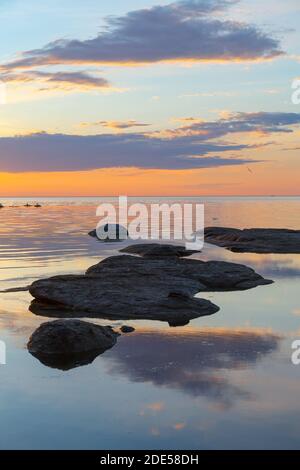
(119, 233)
(254, 240)
(127, 329)
(65, 344)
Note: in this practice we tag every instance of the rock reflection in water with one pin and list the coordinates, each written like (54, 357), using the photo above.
(67, 362)
(171, 317)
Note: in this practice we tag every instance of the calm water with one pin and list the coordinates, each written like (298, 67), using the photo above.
(222, 382)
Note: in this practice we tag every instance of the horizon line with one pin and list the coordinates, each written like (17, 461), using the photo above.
(122, 195)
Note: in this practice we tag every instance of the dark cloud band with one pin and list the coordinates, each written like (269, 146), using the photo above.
(184, 148)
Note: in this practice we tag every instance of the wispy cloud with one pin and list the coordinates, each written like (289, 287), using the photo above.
(115, 125)
(263, 122)
(66, 81)
(209, 94)
(189, 30)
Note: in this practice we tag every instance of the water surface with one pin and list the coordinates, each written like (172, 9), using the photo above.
(221, 382)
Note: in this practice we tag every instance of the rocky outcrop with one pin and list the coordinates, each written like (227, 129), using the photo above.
(129, 287)
(156, 250)
(65, 344)
(254, 240)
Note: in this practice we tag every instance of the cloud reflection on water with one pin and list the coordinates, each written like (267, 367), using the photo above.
(195, 362)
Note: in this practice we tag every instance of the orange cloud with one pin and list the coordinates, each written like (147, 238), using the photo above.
(115, 125)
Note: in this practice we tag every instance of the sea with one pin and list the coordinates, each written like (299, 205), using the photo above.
(226, 381)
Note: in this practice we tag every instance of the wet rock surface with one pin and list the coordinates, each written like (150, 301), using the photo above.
(255, 240)
(129, 287)
(156, 250)
(66, 344)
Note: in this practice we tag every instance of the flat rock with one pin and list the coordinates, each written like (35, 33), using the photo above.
(156, 250)
(255, 240)
(65, 344)
(129, 287)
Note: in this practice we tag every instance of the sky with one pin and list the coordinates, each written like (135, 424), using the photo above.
(190, 97)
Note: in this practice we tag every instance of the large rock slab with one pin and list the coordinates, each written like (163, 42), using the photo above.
(65, 344)
(254, 240)
(130, 287)
(117, 293)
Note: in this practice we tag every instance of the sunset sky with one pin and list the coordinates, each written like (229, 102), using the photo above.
(144, 97)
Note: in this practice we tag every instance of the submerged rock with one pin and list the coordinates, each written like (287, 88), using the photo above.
(118, 232)
(65, 344)
(15, 289)
(127, 329)
(129, 287)
(152, 250)
(254, 240)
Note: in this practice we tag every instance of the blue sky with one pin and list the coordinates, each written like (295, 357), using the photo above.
(31, 24)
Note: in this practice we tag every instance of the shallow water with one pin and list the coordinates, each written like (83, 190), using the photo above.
(221, 382)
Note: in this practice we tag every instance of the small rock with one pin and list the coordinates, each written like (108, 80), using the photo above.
(118, 232)
(127, 329)
(65, 344)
